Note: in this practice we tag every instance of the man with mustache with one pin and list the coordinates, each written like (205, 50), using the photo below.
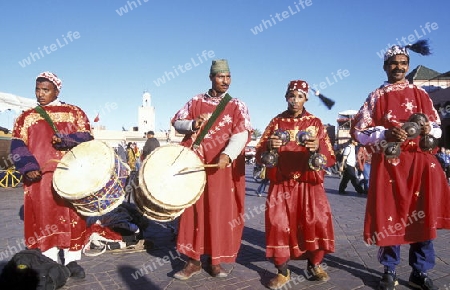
(408, 194)
(213, 225)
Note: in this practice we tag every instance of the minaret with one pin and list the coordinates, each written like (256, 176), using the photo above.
(146, 114)
(146, 99)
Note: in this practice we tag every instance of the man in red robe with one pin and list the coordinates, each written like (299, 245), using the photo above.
(213, 225)
(298, 216)
(408, 198)
(40, 137)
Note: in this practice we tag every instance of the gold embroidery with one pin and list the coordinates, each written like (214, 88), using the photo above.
(312, 131)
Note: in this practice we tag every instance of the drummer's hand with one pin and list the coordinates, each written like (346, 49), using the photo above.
(197, 123)
(56, 139)
(33, 175)
(224, 160)
(312, 144)
(274, 142)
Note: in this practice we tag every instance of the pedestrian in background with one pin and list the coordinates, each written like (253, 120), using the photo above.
(264, 181)
(364, 159)
(444, 159)
(131, 156)
(348, 168)
(150, 144)
(137, 155)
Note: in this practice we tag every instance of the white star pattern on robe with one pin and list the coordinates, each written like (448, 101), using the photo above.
(409, 106)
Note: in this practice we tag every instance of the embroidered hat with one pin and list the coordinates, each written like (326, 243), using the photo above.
(420, 46)
(52, 78)
(395, 50)
(219, 66)
(298, 85)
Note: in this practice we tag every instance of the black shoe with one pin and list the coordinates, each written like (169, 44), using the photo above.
(388, 281)
(342, 192)
(421, 281)
(76, 271)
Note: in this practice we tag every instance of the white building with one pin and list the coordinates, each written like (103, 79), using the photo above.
(146, 114)
(146, 122)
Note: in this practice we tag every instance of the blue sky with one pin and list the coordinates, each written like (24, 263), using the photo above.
(108, 52)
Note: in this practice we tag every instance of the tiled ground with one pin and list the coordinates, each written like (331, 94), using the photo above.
(352, 266)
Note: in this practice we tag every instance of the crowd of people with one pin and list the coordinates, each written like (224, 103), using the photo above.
(132, 155)
(294, 151)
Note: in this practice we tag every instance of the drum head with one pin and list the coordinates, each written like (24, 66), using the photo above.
(161, 182)
(84, 169)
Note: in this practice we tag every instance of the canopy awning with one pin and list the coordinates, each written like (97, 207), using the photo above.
(348, 112)
(12, 102)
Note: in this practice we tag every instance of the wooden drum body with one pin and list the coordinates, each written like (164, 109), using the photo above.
(92, 178)
(164, 193)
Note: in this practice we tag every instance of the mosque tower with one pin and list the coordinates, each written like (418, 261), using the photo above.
(146, 114)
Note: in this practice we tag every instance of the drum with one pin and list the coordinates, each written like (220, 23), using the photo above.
(92, 178)
(152, 210)
(164, 192)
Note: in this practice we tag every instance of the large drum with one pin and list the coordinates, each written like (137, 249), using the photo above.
(92, 178)
(164, 192)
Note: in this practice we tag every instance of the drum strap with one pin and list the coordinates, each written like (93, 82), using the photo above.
(220, 107)
(46, 117)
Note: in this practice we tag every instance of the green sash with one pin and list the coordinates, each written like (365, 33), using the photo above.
(46, 117)
(220, 107)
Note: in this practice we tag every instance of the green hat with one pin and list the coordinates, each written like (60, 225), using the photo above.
(219, 66)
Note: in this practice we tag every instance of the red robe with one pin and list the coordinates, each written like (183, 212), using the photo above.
(408, 197)
(298, 215)
(214, 224)
(49, 220)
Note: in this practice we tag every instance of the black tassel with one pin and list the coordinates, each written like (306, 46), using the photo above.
(420, 46)
(329, 103)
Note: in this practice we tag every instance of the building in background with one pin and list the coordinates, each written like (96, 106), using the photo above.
(331, 131)
(344, 123)
(437, 86)
(146, 114)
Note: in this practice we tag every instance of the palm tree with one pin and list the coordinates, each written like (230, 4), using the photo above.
(256, 134)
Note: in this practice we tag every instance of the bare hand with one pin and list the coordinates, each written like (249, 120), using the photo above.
(199, 121)
(426, 129)
(396, 135)
(224, 160)
(56, 139)
(312, 144)
(34, 175)
(274, 142)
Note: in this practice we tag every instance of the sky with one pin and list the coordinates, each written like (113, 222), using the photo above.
(108, 53)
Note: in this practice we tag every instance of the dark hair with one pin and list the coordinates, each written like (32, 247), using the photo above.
(151, 133)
